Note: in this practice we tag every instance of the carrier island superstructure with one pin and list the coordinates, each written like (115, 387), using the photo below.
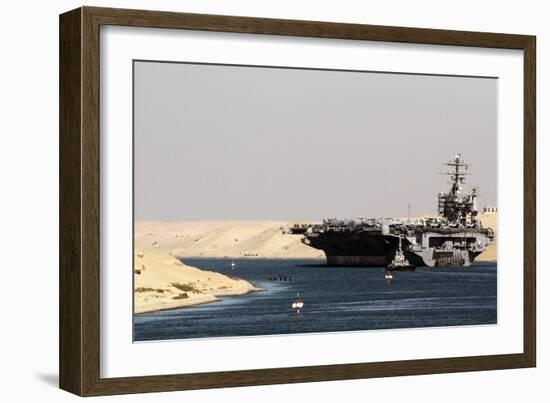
(453, 238)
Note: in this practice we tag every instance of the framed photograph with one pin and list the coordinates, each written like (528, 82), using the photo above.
(249, 201)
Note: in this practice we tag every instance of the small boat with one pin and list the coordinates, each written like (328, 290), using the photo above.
(388, 276)
(232, 265)
(297, 304)
(399, 262)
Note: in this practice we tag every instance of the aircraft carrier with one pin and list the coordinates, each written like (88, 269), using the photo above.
(453, 238)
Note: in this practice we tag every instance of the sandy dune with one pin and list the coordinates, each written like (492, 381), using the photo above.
(489, 220)
(163, 282)
(235, 239)
(241, 239)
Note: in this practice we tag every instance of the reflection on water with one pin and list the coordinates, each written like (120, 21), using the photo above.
(335, 298)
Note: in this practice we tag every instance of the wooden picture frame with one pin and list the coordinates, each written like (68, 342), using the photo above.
(79, 317)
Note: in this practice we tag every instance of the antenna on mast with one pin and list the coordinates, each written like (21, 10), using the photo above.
(457, 173)
(454, 206)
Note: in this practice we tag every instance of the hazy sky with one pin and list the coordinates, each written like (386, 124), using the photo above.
(233, 142)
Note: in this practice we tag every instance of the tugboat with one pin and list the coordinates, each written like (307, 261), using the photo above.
(297, 304)
(399, 262)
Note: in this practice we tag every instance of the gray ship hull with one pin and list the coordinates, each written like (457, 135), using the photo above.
(365, 261)
(454, 248)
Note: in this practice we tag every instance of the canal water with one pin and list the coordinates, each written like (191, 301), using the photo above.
(335, 299)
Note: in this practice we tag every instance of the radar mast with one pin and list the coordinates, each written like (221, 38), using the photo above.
(453, 206)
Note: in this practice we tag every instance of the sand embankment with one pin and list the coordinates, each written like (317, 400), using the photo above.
(489, 220)
(243, 239)
(233, 239)
(163, 282)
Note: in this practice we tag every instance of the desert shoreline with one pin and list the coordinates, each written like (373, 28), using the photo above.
(192, 303)
(245, 258)
(162, 282)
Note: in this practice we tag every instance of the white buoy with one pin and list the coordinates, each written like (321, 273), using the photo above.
(297, 304)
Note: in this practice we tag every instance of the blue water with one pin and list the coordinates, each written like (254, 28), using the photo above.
(335, 299)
